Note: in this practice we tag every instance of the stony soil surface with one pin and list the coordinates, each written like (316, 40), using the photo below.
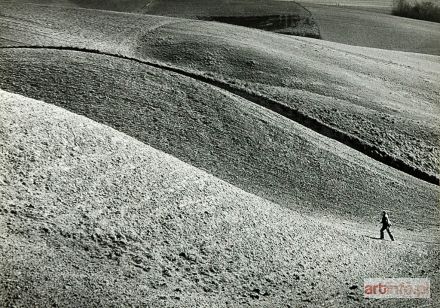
(92, 217)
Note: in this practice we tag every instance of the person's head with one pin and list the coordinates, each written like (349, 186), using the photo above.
(384, 213)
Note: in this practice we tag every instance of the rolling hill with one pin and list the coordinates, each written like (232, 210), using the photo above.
(233, 138)
(362, 92)
(93, 217)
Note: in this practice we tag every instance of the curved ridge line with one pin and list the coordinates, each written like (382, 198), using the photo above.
(277, 107)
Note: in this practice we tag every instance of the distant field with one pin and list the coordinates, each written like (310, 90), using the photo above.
(374, 28)
(364, 3)
(375, 5)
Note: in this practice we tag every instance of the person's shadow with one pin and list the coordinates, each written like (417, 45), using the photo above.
(373, 238)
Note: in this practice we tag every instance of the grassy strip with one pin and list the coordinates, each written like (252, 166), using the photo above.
(419, 10)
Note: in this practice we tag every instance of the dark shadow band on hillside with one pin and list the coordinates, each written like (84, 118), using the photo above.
(277, 107)
(285, 24)
(111, 5)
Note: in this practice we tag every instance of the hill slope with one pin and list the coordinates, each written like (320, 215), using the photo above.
(362, 92)
(235, 139)
(92, 217)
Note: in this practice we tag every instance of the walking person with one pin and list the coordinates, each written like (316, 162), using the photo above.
(386, 224)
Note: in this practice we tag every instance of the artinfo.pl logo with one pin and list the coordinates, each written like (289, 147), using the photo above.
(397, 288)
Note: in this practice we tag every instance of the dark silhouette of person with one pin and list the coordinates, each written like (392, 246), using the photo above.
(386, 224)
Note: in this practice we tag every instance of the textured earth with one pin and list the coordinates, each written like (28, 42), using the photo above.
(92, 217)
(157, 161)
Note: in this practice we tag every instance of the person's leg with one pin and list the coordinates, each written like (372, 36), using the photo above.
(389, 233)
(381, 233)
